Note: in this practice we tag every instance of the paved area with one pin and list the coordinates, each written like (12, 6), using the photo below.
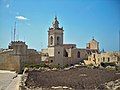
(14, 85)
(9, 81)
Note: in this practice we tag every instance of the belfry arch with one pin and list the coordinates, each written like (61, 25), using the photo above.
(51, 40)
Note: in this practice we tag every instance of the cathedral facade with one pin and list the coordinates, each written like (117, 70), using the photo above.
(18, 55)
(62, 54)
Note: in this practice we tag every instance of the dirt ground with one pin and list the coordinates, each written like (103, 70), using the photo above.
(77, 78)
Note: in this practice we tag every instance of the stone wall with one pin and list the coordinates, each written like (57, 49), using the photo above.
(9, 62)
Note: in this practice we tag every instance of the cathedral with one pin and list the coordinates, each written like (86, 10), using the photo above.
(18, 55)
(62, 54)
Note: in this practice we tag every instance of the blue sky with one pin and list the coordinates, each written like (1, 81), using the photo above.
(81, 20)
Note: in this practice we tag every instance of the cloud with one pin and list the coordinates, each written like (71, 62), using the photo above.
(21, 18)
(7, 6)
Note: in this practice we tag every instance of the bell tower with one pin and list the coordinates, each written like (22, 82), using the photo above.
(55, 34)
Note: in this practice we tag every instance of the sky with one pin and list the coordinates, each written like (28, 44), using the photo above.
(80, 19)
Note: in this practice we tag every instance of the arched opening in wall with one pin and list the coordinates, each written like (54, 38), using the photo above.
(58, 40)
(108, 59)
(65, 53)
(78, 54)
(93, 55)
(103, 59)
(51, 40)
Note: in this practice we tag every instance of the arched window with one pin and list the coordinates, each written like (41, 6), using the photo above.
(65, 53)
(93, 55)
(51, 40)
(108, 59)
(58, 40)
(78, 54)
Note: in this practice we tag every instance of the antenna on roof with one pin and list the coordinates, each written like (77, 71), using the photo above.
(41, 44)
(24, 38)
(15, 31)
(119, 40)
(17, 35)
(11, 34)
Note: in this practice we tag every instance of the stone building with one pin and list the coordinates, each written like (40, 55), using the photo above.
(57, 53)
(17, 56)
(93, 44)
(62, 54)
(104, 57)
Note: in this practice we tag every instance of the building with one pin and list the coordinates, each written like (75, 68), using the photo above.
(57, 53)
(17, 56)
(62, 54)
(93, 44)
(104, 57)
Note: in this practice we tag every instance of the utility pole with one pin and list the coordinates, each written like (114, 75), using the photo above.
(119, 41)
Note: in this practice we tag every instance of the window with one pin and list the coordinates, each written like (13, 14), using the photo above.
(89, 59)
(51, 40)
(93, 55)
(51, 61)
(108, 59)
(103, 59)
(78, 54)
(65, 53)
(58, 40)
(98, 59)
(58, 52)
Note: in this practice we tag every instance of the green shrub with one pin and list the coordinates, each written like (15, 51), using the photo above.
(36, 65)
(66, 66)
(107, 64)
(90, 64)
(54, 66)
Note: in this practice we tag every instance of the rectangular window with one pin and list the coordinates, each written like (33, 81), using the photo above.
(89, 59)
(103, 59)
(98, 59)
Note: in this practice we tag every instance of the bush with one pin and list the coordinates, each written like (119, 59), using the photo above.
(26, 65)
(66, 66)
(90, 64)
(110, 68)
(43, 65)
(54, 66)
(36, 65)
(107, 64)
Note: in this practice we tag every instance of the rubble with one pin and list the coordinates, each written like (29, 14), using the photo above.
(75, 78)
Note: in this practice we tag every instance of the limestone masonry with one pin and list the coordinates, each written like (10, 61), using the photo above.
(57, 53)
